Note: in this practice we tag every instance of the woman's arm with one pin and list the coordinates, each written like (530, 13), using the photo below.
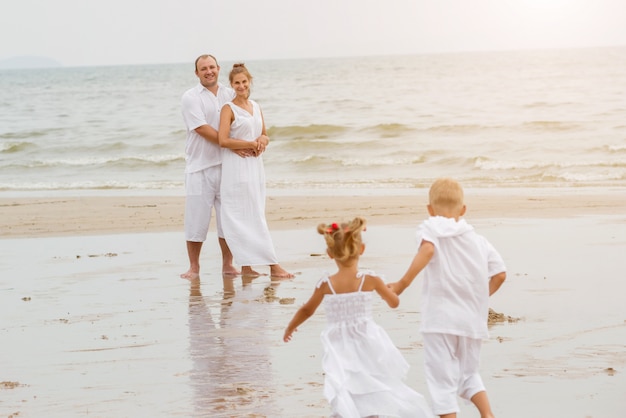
(263, 140)
(223, 134)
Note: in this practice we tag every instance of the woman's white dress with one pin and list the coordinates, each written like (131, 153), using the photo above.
(242, 193)
(364, 370)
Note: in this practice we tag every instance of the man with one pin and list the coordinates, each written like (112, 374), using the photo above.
(201, 112)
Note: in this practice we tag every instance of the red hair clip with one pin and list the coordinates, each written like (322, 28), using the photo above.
(332, 228)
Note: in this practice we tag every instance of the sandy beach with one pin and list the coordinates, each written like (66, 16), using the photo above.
(95, 321)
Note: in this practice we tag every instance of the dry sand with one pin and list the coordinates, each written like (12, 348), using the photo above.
(63, 216)
(95, 322)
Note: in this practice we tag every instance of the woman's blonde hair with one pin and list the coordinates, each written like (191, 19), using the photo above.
(343, 239)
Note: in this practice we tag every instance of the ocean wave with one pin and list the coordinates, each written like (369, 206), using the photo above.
(32, 133)
(570, 177)
(92, 185)
(388, 130)
(462, 128)
(109, 146)
(542, 104)
(320, 161)
(25, 134)
(485, 164)
(550, 125)
(299, 132)
(131, 161)
(615, 148)
(14, 147)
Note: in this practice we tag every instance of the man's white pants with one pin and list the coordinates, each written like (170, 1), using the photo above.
(202, 189)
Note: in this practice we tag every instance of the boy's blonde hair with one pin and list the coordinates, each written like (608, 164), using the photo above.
(446, 195)
(343, 239)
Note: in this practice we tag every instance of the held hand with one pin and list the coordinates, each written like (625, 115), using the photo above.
(396, 287)
(264, 139)
(261, 144)
(244, 152)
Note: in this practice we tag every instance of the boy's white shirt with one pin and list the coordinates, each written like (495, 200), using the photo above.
(455, 289)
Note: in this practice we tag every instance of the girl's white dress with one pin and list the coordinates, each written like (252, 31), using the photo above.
(364, 370)
(242, 192)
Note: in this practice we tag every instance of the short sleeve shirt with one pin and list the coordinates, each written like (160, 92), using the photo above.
(455, 289)
(201, 107)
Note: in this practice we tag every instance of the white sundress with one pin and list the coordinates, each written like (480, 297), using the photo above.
(242, 195)
(364, 370)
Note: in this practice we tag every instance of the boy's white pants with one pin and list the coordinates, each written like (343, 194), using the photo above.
(451, 366)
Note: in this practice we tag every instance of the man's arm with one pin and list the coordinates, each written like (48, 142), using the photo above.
(208, 133)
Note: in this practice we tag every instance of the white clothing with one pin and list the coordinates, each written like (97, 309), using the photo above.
(364, 370)
(201, 107)
(202, 160)
(456, 280)
(451, 367)
(203, 194)
(243, 195)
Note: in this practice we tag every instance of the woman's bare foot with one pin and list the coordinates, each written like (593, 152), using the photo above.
(276, 271)
(230, 270)
(247, 271)
(190, 275)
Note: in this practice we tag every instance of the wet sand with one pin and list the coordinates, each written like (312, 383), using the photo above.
(95, 322)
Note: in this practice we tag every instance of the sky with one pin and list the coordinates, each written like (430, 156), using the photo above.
(125, 32)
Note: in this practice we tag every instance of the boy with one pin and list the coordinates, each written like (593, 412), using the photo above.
(461, 270)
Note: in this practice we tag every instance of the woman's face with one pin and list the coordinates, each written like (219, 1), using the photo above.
(241, 84)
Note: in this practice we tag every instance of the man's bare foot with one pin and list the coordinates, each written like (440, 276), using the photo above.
(247, 271)
(190, 275)
(277, 272)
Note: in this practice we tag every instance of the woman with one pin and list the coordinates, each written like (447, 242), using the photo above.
(243, 139)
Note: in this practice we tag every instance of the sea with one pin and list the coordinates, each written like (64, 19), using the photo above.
(512, 119)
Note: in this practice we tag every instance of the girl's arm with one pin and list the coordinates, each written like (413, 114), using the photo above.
(223, 134)
(305, 311)
(385, 292)
(423, 256)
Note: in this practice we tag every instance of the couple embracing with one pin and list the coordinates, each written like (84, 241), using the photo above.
(226, 138)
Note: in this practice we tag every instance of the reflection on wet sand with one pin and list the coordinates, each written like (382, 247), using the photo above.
(231, 374)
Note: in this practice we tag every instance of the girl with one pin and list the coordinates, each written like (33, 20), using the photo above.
(364, 371)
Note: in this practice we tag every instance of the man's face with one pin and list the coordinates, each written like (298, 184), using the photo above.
(208, 72)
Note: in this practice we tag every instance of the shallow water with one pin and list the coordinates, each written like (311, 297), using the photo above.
(103, 326)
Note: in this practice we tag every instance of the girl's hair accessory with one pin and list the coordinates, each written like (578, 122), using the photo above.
(332, 228)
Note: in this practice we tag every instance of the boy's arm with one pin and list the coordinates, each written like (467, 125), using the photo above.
(305, 312)
(421, 259)
(496, 281)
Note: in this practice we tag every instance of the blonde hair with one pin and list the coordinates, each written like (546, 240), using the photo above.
(446, 195)
(343, 240)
